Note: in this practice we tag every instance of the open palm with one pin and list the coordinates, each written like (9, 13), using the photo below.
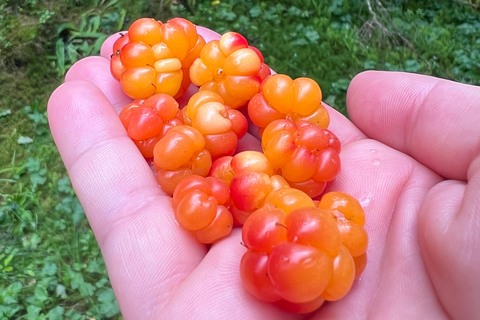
(410, 155)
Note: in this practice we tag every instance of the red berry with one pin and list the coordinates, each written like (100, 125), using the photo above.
(147, 121)
(299, 273)
(199, 206)
(307, 155)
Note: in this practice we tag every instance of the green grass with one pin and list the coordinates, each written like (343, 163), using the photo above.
(50, 264)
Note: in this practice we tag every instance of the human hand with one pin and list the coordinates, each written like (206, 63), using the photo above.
(407, 156)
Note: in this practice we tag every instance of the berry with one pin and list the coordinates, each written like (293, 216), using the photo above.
(227, 167)
(313, 227)
(254, 275)
(155, 57)
(264, 229)
(289, 199)
(199, 206)
(220, 125)
(342, 277)
(180, 153)
(350, 219)
(360, 264)
(306, 155)
(302, 308)
(251, 178)
(299, 273)
(296, 255)
(230, 68)
(249, 191)
(146, 121)
(283, 98)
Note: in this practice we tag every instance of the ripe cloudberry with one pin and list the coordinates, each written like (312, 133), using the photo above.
(155, 57)
(147, 121)
(230, 68)
(220, 125)
(283, 98)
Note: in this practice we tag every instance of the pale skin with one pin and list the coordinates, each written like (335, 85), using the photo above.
(410, 155)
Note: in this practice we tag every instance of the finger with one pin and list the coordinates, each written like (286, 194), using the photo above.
(208, 34)
(97, 71)
(129, 214)
(449, 228)
(390, 187)
(433, 120)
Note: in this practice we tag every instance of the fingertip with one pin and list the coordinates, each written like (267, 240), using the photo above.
(79, 114)
(208, 34)
(419, 115)
(360, 88)
(66, 94)
(96, 70)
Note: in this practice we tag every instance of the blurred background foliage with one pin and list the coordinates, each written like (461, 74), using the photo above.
(50, 264)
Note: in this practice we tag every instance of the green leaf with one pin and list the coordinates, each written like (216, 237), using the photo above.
(24, 140)
(95, 267)
(369, 65)
(8, 259)
(5, 113)
(30, 273)
(10, 295)
(65, 26)
(49, 269)
(72, 54)
(8, 311)
(33, 312)
(412, 66)
(103, 282)
(300, 42)
(109, 306)
(98, 44)
(255, 11)
(294, 11)
(56, 313)
(86, 289)
(312, 36)
(38, 117)
(95, 23)
(78, 212)
(61, 291)
(341, 84)
(64, 185)
(40, 293)
(37, 179)
(121, 20)
(60, 53)
(227, 16)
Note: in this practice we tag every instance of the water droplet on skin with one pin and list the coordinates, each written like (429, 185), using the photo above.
(373, 150)
(376, 162)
